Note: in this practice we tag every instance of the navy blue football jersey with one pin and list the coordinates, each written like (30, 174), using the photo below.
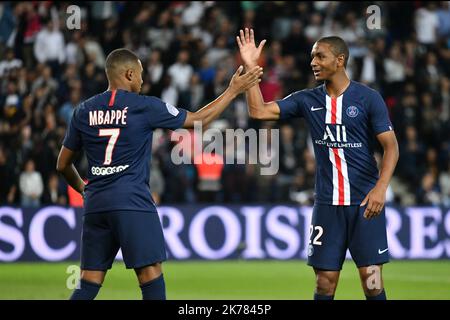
(115, 129)
(342, 131)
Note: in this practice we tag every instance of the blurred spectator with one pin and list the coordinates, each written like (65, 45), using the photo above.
(411, 153)
(445, 101)
(9, 63)
(430, 73)
(102, 11)
(197, 92)
(161, 35)
(218, 52)
(29, 23)
(7, 185)
(49, 47)
(429, 192)
(31, 186)
(314, 29)
(7, 23)
(93, 51)
(13, 113)
(66, 111)
(427, 23)
(155, 71)
(444, 185)
(193, 13)
(394, 69)
(45, 80)
(301, 190)
(181, 73)
(54, 193)
(443, 14)
(209, 167)
(169, 92)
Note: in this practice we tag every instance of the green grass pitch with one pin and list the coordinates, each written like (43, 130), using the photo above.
(230, 280)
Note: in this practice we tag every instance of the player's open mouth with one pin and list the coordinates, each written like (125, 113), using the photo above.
(316, 72)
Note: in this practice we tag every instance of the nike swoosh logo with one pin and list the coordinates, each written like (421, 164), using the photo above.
(315, 109)
(382, 251)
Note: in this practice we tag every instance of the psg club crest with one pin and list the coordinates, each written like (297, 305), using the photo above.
(352, 111)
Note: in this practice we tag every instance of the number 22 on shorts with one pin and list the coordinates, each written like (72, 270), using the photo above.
(316, 240)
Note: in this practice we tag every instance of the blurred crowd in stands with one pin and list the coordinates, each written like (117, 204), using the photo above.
(189, 52)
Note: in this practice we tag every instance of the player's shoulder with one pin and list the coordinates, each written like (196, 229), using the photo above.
(123, 98)
(308, 92)
(93, 101)
(364, 90)
(313, 92)
(138, 99)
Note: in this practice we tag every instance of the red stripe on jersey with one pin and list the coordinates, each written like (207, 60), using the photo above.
(337, 159)
(333, 110)
(113, 97)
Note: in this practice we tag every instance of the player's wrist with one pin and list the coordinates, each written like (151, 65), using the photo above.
(382, 184)
(250, 65)
(231, 92)
(82, 186)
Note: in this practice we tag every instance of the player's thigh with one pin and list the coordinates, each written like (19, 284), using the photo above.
(327, 242)
(141, 238)
(99, 245)
(368, 239)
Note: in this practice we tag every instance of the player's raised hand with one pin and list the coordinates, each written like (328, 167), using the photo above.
(247, 47)
(375, 202)
(241, 82)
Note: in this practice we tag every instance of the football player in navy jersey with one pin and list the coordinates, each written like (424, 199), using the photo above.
(344, 117)
(115, 130)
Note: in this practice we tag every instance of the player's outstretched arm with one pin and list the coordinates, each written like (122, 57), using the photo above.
(250, 54)
(238, 84)
(65, 166)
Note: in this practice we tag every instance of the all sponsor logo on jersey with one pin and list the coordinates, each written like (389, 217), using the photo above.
(337, 138)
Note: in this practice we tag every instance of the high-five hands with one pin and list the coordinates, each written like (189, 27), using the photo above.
(241, 82)
(247, 47)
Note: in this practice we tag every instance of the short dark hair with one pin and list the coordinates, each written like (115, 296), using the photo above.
(338, 46)
(118, 58)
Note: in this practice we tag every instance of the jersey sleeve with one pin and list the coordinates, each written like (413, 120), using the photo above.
(291, 106)
(164, 115)
(379, 117)
(72, 139)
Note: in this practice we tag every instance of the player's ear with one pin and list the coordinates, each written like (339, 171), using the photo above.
(341, 60)
(129, 74)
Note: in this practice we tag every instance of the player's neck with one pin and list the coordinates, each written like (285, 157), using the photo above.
(117, 86)
(337, 84)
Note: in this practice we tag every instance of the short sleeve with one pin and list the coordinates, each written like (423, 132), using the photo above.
(72, 140)
(291, 106)
(379, 117)
(164, 115)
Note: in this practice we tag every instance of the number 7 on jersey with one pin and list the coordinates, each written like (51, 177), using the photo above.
(114, 136)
